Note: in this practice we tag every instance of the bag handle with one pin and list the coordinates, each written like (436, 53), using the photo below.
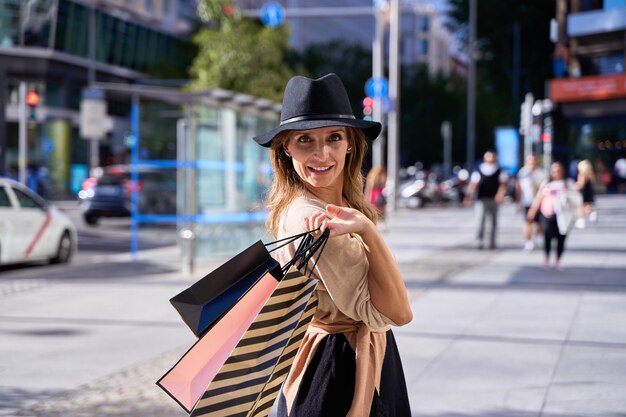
(288, 240)
(308, 247)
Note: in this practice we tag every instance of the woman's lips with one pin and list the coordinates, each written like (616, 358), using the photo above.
(320, 170)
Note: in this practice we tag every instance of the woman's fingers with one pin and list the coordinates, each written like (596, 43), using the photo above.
(316, 223)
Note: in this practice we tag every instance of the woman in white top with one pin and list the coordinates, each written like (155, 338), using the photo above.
(551, 203)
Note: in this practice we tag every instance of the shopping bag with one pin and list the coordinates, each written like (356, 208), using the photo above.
(203, 303)
(250, 379)
(187, 380)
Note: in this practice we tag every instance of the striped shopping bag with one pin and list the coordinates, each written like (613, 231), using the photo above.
(250, 379)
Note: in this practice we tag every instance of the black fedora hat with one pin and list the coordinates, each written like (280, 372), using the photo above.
(310, 104)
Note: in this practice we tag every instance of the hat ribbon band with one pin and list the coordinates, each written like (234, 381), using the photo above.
(317, 117)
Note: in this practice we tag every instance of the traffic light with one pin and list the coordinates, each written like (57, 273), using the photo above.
(32, 99)
(368, 108)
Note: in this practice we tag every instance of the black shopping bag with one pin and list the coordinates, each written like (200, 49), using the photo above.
(203, 303)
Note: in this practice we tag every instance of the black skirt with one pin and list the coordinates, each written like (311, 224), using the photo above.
(327, 387)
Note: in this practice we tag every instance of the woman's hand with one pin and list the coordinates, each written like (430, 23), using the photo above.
(386, 285)
(339, 220)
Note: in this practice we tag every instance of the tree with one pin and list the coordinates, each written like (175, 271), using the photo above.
(426, 101)
(351, 62)
(239, 55)
(497, 98)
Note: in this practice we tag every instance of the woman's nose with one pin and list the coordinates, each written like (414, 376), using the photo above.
(321, 150)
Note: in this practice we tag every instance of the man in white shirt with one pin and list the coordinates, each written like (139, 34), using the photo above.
(489, 185)
(529, 179)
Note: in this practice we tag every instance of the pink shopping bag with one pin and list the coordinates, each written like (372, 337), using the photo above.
(189, 378)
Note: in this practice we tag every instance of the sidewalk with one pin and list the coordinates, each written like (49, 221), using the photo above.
(493, 333)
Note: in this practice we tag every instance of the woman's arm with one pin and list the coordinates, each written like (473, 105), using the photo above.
(386, 285)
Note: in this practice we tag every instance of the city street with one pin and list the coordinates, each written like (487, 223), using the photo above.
(494, 334)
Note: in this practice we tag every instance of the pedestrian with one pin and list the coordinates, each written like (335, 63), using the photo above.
(375, 182)
(529, 179)
(620, 174)
(488, 183)
(585, 183)
(348, 363)
(554, 203)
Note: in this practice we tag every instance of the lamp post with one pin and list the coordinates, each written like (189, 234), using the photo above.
(471, 86)
(393, 150)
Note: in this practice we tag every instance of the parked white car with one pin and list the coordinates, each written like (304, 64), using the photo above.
(32, 229)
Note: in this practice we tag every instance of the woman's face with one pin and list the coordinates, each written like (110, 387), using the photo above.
(319, 155)
(557, 171)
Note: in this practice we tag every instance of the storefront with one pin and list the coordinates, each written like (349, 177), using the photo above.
(591, 121)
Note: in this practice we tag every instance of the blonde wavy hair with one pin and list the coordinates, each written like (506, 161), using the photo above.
(586, 170)
(287, 184)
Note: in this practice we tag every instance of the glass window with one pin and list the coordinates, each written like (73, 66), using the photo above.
(424, 23)
(610, 64)
(423, 48)
(4, 198)
(587, 5)
(25, 200)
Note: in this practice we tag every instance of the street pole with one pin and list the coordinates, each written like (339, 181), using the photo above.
(21, 158)
(393, 150)
(94, 145)
(446, 135)
(378, 50)
(471, 87)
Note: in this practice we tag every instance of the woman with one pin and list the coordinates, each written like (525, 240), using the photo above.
(585, 183)
(348, 363)
(553, 203)
(375, 182)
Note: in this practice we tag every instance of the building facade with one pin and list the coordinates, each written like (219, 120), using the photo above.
(423, 37)
(588, 90)
(46, 45)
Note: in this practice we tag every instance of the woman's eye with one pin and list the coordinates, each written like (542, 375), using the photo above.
(304, 139)
(335, 138)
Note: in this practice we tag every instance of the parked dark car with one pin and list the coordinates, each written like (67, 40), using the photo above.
(109, 194)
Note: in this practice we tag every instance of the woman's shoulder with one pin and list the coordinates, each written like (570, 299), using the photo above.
(292, 219)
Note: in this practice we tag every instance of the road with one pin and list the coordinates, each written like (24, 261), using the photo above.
(79, 321)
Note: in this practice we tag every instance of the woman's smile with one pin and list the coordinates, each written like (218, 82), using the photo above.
(320, 170)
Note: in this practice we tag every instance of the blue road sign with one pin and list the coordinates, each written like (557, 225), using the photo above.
(272, 14)
(377, 87)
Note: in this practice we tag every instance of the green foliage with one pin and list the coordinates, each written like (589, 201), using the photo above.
(351, 62)
(243, 56)
(497, 101)
(426, 101)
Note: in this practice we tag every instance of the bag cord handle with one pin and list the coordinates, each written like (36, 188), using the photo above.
(289, 240)
(308, 247)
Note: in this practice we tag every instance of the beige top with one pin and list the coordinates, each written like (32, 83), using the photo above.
(344, 305)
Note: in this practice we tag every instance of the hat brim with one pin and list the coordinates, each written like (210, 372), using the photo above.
(371, 129)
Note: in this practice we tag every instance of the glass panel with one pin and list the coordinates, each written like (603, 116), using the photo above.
(26, 200)
(602, 141)
(4, 198)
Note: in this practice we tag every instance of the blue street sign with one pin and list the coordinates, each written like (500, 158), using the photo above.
(272, 14)
(377, 87)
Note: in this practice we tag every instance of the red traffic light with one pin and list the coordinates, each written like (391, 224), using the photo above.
(32, 98)
(368, 102)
